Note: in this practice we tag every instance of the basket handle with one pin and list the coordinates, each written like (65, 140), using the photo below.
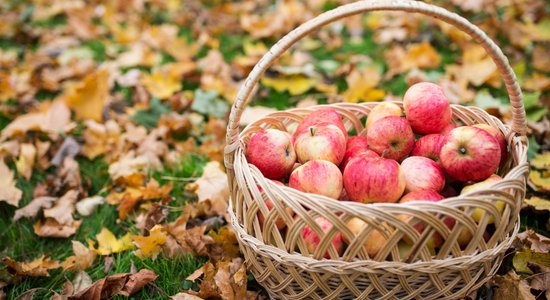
(519, 123)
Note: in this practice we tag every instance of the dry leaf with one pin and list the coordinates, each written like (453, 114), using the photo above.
(124, 284)
(82, 259)
(150, 246)
(51, 228)
(81, 281)
(55, 120)
(9, 193)
(212, 187)
(161, 84)
(294, 84)
(69, 148)
(541, 58)
(101, 139)
(185, 296)
(540, 181)
(88, 97)
(541, 279)
(541, 161)
(226, 241)
(129, 165)
(25, 162)
(86, 206)
(253, 113)
(362, 85)
(534, 241)
(421, 56)
(538, 203)
(523, 258)
(36, 268)
(108, 243)
(133, 196)
(511, 286)
(63, 209)
(31, 209)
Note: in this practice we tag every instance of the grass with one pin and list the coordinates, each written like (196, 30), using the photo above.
(18, 241)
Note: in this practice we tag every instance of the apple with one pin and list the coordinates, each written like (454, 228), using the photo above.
(427, 108)
(356, 141)
(429, 146)
(436, 239)
(392, 136)
(498, 136)
(312, 239)
(370, 180)
(448, 191)
(448, 128)
(478, 213)
(356, 152)
(317, 177)
(272, 152)
(469, 154)
(422, 173)
(382, 110)
(323, 115)
(323, 141)
(373, 243)
(279, 223)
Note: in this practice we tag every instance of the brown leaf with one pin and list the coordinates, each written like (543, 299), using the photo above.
(151, 191)
(212, 187)
(9, 193)
(510, 286)
(81, 281)
(70, 174)
(82, 259)
(185, 296)
(150, 246)
(69, 148)
(124, 284)
(534, 241)
(63, 209)
(56, 119)
(31, 209)
(226, 240)
(36, 268)
(541, 279)
(422, 56)
(101, 139)
(51, 228)
(541, 58)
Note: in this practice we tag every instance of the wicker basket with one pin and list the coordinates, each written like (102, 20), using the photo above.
(280, 260)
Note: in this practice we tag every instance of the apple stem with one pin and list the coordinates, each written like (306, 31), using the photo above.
(384, 153)
(312, 130)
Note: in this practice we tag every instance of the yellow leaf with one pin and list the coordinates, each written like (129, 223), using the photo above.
(150, 246)
(37, 267)
(541, 161)
(540, 180)
(538, 203)
(7, 90)
(212, 187)
(87, 98)
(361, 85)
(108, 243)
(161, 84)
(421, 56)
(9, 193)
(82, 259)
(54, 120)
(294, 84)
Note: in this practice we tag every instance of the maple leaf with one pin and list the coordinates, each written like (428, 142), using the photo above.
(538, 203)
(9, 193)
(535, 241)
(31, 209)
(511, 286)
(88, 97)
(150, 246)
(101, 139)
(294, 84)
(82, 259)
(128, 165)
(86, 206)
(36, 268)
(151, 191)
(25, 162)
(51, 228)
(227, 242)
(161, 84)
(422, 56)
(212, 187)
(124, 284)
(63, 209)
(361, 85)
(108, 243)
(54, 120)
(540, 181)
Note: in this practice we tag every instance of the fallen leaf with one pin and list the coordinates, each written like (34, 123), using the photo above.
(541, 279)
(68, 176)
(538, 203)
(209, 103)
(541, 58)
(522, 258)
(101, 139)
(88, 97)
(227, 242)
(129, 165)
(294, 84)
(511, 286)
(124, 284)
(63, 209)
(541, 161)
(9, 192)
(253, 113)
(55, 120)
(36, 268)
(362, 85)
(149, 192)
(212, 187)
(539, 180)
(185, 296)
(82, 259)
(31, 209)
(87, 206)
(25, 162)
(421, 55)
(81, 281)
(161, 84)
(150, 246)
(51, 228)
(534, 241)
(108, 243)
(69, 148)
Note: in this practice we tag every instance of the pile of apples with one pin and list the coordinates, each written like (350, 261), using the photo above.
(401, 156)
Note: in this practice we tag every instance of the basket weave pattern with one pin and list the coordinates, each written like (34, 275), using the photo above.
(280, 260)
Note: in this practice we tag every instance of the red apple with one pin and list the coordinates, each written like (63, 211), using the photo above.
(478, 213)
(448, 128)
(382, 110)
(279, 223)
(429, 146)
(373, 243)
(435, 240)
(498, 136)
(356, 152)
(312, 239)
(323, 141)
(422, 173)
(272, 152)
(427, 108)
(391, 135)
(317, 177)
(356, 141)
(323, 115)
(370, 180)
(470, 154)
